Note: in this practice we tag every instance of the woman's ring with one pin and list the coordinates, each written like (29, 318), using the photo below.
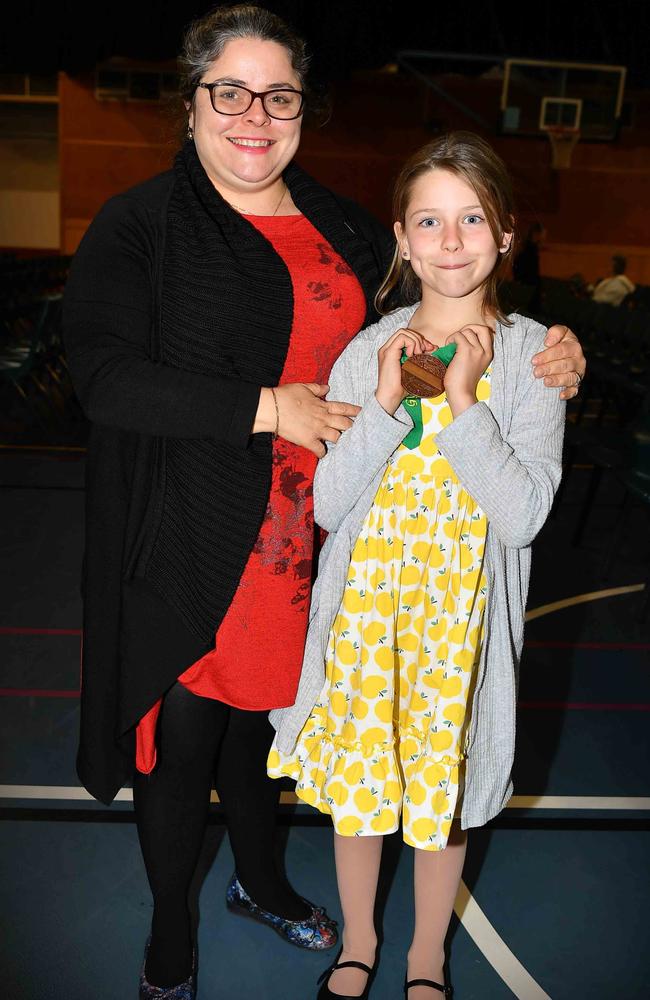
(578, 381)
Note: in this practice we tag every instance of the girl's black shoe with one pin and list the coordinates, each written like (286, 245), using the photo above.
(446, 990)
(325, 992)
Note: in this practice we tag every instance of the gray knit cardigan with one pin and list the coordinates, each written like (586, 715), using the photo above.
(507, 455)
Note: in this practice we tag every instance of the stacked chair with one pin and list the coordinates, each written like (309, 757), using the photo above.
(608, 426)
(34, 382)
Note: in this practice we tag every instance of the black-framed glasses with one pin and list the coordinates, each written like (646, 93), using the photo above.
(228, 99)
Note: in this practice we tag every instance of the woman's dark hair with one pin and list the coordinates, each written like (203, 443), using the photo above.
(206, 38)
(474, 161)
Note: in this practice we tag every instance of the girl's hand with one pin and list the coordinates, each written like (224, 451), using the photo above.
(306, 418)
(474, 352)
(389, 384)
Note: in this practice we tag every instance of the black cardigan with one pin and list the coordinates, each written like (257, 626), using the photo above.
(137, 637)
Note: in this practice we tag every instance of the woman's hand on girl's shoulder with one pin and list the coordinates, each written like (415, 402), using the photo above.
(474, 352)
(562, 363)
(390, 392)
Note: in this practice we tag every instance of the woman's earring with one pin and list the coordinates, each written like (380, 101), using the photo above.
(190, 133)
(405, 254)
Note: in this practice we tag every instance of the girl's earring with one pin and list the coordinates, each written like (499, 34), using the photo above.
(190, 133)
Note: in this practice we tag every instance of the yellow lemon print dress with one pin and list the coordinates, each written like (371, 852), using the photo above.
(389, 729)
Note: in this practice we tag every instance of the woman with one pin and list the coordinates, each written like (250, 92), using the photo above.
(202, 315)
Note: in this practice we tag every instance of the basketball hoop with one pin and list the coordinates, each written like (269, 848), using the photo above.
(563, 141)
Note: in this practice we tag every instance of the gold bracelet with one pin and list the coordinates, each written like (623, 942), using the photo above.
(277, 414)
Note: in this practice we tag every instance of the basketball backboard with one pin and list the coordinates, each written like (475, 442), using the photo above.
(537, 94)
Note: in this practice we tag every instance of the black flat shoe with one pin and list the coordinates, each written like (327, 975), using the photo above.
(446, 990)
(183, 991)
(317, 931)
(325, 992)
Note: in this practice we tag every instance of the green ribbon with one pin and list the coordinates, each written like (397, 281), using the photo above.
(413, 404)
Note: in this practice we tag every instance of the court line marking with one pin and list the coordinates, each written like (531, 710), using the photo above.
(568, 602)
(43, 447)
(621, 802)
(41, 486)
(528, 644)
(75, 793)
(543, 609)
(540, 706)
(24, 630)
(483, 933)
(487, 939)
(561, 644)
(504, 962)
(39, 693)
(603, 706)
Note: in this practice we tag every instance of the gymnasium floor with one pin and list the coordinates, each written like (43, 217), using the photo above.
(554, 898)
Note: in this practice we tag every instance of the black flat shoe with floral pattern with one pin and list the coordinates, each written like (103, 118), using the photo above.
(316, 932)
(183, 991)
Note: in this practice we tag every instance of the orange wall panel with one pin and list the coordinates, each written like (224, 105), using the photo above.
(105, 147)
(83, 117)
(94, 172)
(599, 206)
(561, 260)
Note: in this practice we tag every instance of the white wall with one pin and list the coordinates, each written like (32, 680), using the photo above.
(29, 219)
(29, 193)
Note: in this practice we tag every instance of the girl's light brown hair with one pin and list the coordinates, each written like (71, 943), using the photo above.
(474, 161)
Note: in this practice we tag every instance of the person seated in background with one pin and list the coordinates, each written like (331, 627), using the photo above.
(614, 289)
(579, 287)
(525, 266)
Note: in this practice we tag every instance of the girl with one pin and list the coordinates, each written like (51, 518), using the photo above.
(417, 613)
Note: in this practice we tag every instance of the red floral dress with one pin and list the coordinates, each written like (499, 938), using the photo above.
(256, 660)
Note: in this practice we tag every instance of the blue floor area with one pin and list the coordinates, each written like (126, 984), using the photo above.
(566, 888)
(82, 935)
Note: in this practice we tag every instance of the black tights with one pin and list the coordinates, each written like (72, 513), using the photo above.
(196, 739)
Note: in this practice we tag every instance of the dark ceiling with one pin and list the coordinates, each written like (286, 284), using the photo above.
(45, 36)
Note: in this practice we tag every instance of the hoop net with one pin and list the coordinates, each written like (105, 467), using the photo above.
(563, 141)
